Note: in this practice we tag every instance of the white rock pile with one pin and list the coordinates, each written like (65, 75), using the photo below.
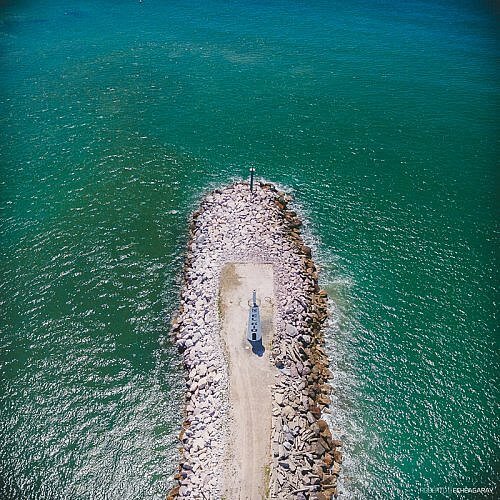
(235, 225)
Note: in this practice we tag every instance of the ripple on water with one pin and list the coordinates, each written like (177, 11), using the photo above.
(391, 161)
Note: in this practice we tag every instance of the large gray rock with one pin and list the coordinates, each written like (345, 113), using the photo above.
(291, 330)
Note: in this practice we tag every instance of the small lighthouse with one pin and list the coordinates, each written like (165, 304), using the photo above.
(254, 332)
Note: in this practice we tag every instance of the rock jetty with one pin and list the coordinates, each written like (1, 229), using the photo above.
(234, 225)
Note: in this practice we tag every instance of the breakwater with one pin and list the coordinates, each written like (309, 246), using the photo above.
(234, 225)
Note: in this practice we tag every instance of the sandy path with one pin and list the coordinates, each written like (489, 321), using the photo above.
(251, 376)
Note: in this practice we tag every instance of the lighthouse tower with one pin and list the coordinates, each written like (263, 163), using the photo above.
(254, 332)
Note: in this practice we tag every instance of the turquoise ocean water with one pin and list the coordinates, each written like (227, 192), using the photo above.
(116, 115)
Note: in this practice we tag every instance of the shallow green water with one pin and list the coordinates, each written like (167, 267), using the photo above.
(381, 117)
